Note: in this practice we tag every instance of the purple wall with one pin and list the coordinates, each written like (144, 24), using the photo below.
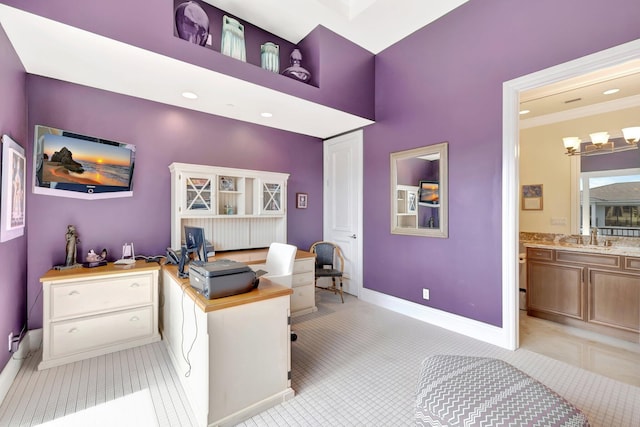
(444, 83)
(162, 135)
(13, 253)
(149, 24)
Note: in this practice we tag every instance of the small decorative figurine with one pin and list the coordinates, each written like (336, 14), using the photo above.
(192, 23)
(72, 246)
(94, 260)
(296, 71)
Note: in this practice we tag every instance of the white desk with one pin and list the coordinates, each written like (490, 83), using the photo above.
(233, 354)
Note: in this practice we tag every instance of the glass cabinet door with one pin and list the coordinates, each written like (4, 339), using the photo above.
(272, 198)
(198, 194)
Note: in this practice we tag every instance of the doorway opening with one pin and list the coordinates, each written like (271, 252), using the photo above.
(512, 90)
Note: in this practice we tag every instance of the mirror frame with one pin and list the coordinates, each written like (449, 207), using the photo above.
(443, 230)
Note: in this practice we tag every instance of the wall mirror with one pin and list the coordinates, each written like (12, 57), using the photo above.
(419, 191)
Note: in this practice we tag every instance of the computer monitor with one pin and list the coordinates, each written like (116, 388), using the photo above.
(195, 242)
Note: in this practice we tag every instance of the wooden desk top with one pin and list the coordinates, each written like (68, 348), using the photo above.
(254, 256)
(110, 268)
(266, 290)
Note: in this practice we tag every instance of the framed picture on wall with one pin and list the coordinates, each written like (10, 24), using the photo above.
(301, 200)
(12, 215)
(532, 197)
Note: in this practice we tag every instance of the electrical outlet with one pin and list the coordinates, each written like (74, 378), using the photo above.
(425, 293)
(10, 341)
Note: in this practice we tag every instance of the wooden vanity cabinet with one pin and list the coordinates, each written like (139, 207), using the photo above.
(614, 299)
(600, 292)
(555, 288)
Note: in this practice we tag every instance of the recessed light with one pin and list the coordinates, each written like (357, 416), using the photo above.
(189, 95)
(610, 91)
(524, 112)
(266, 114)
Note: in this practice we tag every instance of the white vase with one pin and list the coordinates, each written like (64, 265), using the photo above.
(233, 39)
(270, 57)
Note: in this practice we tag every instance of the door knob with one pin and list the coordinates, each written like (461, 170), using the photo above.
(353, 236)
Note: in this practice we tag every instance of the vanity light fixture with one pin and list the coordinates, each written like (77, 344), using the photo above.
(600, 143)
(611, 91)
(189, 95)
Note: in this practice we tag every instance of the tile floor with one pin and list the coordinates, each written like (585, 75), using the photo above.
(354, 364)
(611, 357)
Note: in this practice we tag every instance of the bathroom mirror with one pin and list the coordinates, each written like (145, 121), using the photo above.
(419, 191)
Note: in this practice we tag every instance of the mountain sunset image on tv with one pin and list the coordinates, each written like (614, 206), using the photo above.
(71, 162)
(429, 193)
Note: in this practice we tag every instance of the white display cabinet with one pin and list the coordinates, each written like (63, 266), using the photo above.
(407, 211)
(238, 208)
(271, 197)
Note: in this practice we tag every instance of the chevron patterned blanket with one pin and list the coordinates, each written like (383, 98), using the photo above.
(478, 391)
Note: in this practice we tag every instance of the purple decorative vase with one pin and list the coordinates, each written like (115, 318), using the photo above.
(296, 71)
(192, 23)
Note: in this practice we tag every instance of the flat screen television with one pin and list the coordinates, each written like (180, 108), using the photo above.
(69, 164)
(429, 193)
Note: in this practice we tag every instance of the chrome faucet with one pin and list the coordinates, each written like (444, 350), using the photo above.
(594, 236)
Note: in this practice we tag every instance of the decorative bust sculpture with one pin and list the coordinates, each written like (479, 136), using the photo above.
(295, 71)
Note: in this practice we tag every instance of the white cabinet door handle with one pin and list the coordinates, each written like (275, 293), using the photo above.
(135, 285)
(74, 293)
(73, 330)
(134, 319)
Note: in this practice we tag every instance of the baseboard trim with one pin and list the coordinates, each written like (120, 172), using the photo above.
(452, 322)
(30, 341)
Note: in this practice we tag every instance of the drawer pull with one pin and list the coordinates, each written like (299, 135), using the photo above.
(73, 330)
(72, 293)
(134, 319)
(135, 285)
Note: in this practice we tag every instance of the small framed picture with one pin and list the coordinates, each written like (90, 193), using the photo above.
(12, 214)
(301, 200)
(227, 184)
(532, 197)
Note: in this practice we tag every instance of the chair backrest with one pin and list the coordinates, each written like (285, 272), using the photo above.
(280, 259)
(324, 254)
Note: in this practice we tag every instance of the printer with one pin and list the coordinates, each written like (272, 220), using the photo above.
(222, 278)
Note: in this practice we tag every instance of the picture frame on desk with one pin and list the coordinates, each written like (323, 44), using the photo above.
(301, 200)
(12, 209)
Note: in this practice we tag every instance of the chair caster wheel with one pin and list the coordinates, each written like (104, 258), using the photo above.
(294, 337)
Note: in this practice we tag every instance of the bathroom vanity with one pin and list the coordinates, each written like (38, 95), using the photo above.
(585, 286)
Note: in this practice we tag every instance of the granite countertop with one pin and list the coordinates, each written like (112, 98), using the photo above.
(575, 247)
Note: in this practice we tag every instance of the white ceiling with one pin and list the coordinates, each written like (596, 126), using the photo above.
(583, 96)
(51, 49)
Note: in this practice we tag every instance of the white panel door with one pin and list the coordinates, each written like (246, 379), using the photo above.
(343, 203)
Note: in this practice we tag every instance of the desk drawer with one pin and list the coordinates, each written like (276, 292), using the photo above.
(304, 265)
(84, 334)
(302, 279)
(95, 296)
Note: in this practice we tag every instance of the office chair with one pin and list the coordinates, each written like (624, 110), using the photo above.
(329, 263)
(279, 266)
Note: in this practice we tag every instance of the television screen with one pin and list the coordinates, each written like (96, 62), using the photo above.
(72, 165)
(429, 194)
